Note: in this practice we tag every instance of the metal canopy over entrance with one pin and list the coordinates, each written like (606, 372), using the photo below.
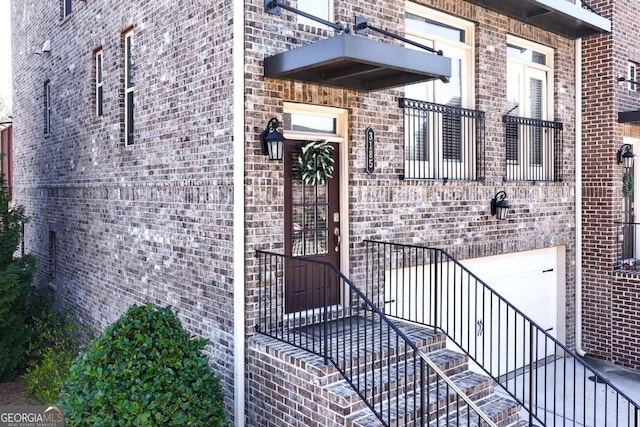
(632, 117)
(568, 18)
(353, 62)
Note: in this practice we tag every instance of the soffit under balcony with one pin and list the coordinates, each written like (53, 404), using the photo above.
(353, 62)
(559, 16)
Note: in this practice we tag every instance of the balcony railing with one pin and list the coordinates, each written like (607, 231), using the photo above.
(533, 149)
(628, 249)
(442, 141)
(586, 5)
(556, 387)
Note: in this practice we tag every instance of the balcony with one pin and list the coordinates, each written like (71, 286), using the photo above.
(533, 149)
(572, 19)
(443, 141)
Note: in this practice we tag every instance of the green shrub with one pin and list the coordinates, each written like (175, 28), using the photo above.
(144, 370)
(15, 287)
(53, 347)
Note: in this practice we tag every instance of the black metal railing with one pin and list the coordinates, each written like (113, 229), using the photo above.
(443, 141)
(533, 149)
(586, 5)
(627, 238)
(556, 387)
(395, 379)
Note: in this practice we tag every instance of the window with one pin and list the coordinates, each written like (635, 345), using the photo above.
(52, 255)
(129, 86)
(66, 8)
(47, 107)
(632, 76)
(98, 82)
(440, 139)
(320, 8)
(529, 137)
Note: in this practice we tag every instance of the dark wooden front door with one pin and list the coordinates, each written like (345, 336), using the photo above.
(312, 231)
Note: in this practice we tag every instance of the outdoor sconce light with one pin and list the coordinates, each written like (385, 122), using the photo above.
(499, 206)
(625, 155)
(272, 141)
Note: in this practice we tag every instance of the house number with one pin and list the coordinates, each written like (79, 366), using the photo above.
(370, 150)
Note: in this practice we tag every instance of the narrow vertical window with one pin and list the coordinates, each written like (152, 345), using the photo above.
(632, 74)
(52, 255)
(66, 8)
(129, 81)
(99, 90)
(47, 107)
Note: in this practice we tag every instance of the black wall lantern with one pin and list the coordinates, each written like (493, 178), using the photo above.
(272, 141)
(625, 155)
(499, 206)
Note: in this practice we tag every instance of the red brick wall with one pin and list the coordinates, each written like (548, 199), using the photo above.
(609, 299)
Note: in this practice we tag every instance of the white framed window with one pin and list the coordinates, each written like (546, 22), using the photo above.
(129, 86)
(441, 143)
(99, 90)
(47, 107)
(529, 145)
(320, 8)
(66, 8)
(529, 71)
(632, 76)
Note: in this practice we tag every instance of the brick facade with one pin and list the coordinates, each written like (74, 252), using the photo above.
(114, 225)
(609, 304)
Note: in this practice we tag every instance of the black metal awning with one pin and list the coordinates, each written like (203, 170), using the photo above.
(564, 17)
(353, 62)
(632, 117)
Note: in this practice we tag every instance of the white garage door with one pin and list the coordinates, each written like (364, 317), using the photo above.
(528, 280)
(533, 281)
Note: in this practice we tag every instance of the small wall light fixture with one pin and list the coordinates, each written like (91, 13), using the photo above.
(46, 48)
(272, 141)
(499, 206)
(625, 155)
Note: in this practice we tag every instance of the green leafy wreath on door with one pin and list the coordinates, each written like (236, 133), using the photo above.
(316, 162)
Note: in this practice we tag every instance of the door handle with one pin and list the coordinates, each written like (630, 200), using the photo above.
(336, 232)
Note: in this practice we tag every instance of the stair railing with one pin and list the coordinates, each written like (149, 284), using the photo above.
(555, 386)
(361, 342)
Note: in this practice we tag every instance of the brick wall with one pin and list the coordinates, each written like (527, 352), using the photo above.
(452, 215)
(114, 225)
(609, 299)
(154, 222)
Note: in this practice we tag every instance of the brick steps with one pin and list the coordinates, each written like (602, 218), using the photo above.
(403, 412)
(504, 412)
(398, 375)
(381, 370)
